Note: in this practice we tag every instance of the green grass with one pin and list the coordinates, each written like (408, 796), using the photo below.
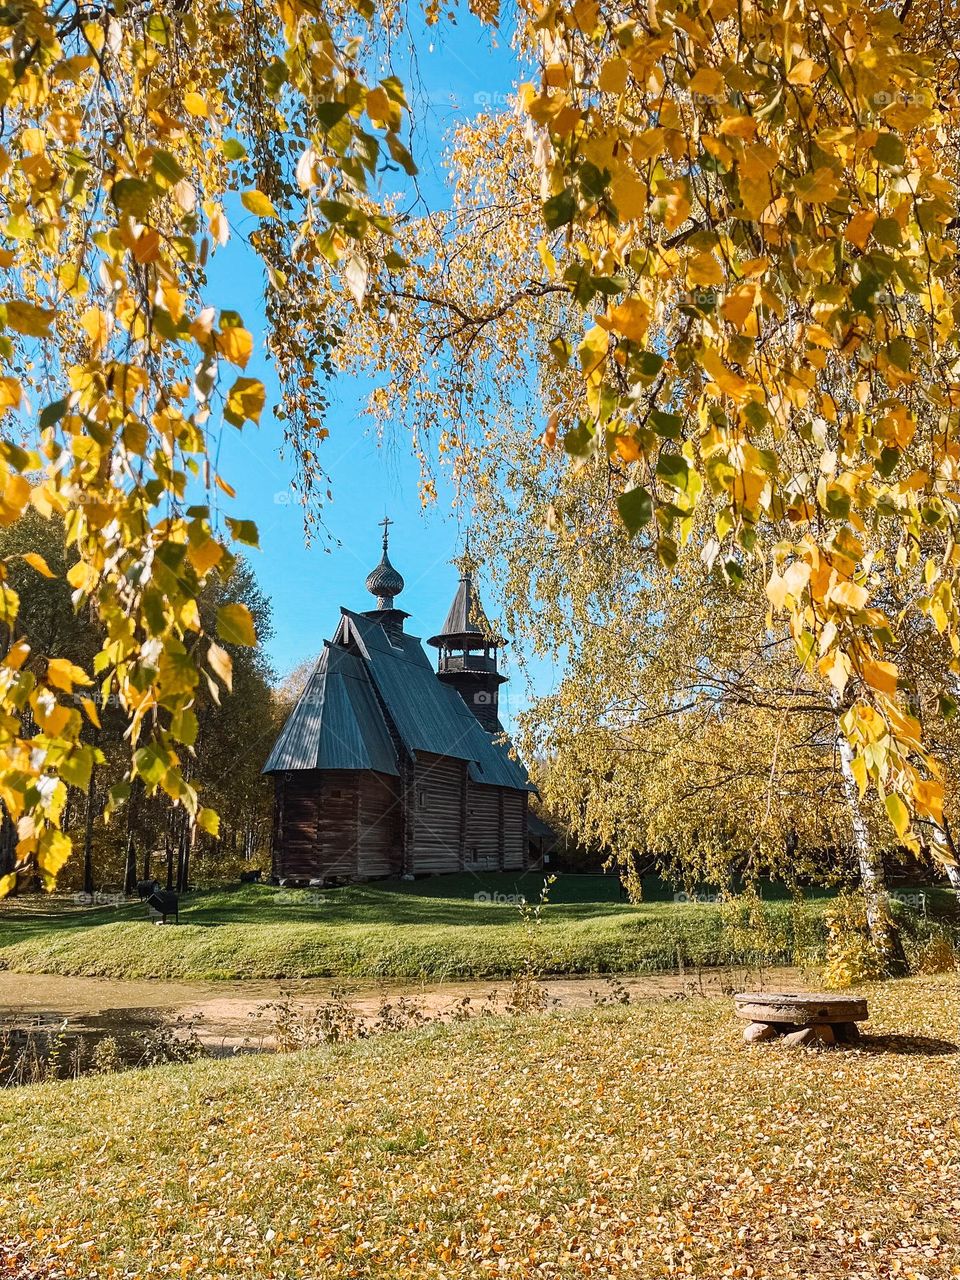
(644, 1142)
(427, 929)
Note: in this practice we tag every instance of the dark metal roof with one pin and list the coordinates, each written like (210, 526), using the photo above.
(337, 723)
(428, 715)
(466, 616)
(538, 829)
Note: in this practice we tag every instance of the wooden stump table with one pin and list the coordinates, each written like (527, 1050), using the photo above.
(805, 1018)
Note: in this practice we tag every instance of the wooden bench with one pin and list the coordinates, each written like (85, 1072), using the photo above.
(802, 1018)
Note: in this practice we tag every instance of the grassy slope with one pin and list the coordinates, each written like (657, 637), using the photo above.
(634, 1141)
(390, 930)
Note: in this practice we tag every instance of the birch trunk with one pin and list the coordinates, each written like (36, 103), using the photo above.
(946, 838)
(873, 880)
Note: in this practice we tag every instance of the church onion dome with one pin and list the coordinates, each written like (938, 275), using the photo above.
(384, 581)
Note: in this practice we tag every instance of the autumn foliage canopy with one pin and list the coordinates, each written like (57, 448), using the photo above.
(748, 209)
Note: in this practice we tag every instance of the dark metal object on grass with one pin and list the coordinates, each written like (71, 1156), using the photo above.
(164, 902)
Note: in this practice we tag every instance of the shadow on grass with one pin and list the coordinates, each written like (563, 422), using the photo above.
(912, 1046)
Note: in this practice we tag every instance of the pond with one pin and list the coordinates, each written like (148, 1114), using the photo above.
(145, 1021)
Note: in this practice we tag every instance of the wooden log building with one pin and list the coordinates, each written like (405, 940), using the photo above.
(386, 767)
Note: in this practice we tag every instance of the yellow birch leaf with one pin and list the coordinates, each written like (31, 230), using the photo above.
(17, 656)
(613, 76)
(858, 767)
(208, 820)
(36, 561)
(627, 448)
(730, 383)
(96, 326)
(631, 318)
(836, 668)
(235, 625)
(857, 230)
(738, 304)
(898, 814)
(928, 798)
(53, 851)
(796, 576)
(27, 319)
(881, 676)
(805, 72)
(236, 344)
(776, 591)
(676, 205)
(220, 663)
(738, 127)
(10, 393)
(849, 595)
(704, 269)
(205, 555)
(82, 576)
(818, 186)
(63, 674)
(708, 83)
(630, 196)
(258, 203)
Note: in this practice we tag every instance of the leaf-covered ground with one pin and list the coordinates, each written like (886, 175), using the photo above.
(643, 1141)
(434, 929)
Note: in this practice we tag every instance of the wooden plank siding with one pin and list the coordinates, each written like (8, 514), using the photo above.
(337, 807)
(483, 827)
(438, 790)
(379, 826)
(296, 853)
(338, 824)
(362, 825)
(514, 830)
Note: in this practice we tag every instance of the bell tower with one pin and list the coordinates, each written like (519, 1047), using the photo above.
(468, 648)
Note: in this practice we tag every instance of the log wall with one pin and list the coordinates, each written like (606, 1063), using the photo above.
(483, 828)
(379, 840)
(360, 825)
(515, 849)
(437, 829)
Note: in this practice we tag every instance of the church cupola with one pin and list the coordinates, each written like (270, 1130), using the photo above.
(468, 648)
(386, 583)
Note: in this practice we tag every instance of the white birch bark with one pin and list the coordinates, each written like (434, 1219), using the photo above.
(869, 861)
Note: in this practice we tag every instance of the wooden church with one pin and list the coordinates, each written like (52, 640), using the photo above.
(386, 767)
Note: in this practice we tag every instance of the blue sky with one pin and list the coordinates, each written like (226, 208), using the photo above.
(459, 71)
